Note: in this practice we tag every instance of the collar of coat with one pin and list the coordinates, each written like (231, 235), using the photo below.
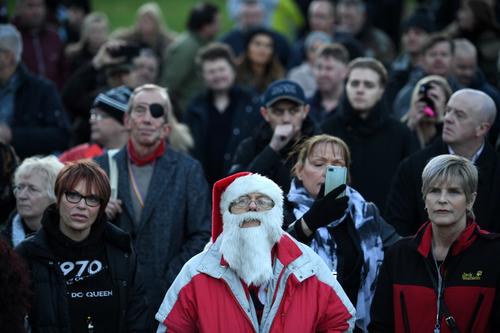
(423, 238)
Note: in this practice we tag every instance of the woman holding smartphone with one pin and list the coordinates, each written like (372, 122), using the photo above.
(346, 231)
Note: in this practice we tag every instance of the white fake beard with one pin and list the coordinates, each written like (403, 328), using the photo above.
(248, 250)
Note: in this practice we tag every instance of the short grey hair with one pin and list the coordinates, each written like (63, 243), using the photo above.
(48, 167)
(444, 168)
(149, 87)
(465, 47)
(10, 40)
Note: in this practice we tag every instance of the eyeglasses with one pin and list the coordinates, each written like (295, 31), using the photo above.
(30, 189)
(262, 203)
(97, 116)
(280, 112)
(75, 197)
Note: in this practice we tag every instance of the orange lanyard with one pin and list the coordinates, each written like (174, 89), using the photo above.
(136, 189)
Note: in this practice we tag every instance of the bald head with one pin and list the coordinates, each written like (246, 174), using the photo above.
(468, 118)
(483, 105)
(464, 62)
(464, 47)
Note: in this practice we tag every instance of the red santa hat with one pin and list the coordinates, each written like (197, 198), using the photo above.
(232, 187)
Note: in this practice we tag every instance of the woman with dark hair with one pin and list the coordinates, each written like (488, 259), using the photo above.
(446, 277)
(346, 231)
(83, 269)
(14, 290)
(259, 65)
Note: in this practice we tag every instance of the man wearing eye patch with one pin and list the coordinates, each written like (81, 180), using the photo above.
(286, 123)
(163, 198)
(254, 277)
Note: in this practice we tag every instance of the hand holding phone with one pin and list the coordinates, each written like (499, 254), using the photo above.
(335, 176)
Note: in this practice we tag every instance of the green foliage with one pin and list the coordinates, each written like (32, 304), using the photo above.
(121, 13)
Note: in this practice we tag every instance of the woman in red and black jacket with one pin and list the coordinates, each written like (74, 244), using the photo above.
(446, 277)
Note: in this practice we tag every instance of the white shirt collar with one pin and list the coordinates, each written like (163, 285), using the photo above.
(474, 157)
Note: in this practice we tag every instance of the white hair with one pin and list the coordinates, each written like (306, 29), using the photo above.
(47, 168)
(10, 40)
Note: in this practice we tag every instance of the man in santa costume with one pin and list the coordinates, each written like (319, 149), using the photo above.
(254, 277)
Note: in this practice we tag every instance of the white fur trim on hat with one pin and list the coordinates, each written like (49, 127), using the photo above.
(250, 184)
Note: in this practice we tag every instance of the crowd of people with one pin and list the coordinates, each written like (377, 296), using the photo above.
(155, 181)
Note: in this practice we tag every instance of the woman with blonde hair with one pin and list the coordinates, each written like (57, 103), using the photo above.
(446, 277)
(428, 102)
(259, 65)
(345, 230)
(94, 33)
(149, 30)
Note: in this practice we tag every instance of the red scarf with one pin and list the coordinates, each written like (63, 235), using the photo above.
(140, 161)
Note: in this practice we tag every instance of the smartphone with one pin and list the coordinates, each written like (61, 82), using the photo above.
(335, 176)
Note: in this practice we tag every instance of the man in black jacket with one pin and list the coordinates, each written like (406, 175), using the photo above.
(377, 142)
(222, 115)
(32, 119)
(468, 117)
(287, 123)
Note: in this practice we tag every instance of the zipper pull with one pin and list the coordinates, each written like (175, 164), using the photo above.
(90, 325)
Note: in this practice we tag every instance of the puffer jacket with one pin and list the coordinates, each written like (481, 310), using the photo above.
(303, 296)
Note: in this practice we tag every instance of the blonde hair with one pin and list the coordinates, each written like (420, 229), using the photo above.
(443, 168)
(435, 79)
(152, 9)
(304, 150)
(88, 21)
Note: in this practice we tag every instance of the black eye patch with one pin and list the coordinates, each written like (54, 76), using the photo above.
(156, 110)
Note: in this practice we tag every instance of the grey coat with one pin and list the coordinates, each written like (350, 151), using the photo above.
(175, 221)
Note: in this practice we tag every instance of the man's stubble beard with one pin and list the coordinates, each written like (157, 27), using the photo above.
(248, 250)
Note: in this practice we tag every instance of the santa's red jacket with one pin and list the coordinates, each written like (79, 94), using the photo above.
(303, 296)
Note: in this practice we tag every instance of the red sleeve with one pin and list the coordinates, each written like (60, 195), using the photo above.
(336, 317)
(183, 316)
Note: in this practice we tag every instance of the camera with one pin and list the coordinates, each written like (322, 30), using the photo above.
(128, 51)
(423, 93)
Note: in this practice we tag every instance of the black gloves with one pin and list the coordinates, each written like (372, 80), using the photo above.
(326, 209)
